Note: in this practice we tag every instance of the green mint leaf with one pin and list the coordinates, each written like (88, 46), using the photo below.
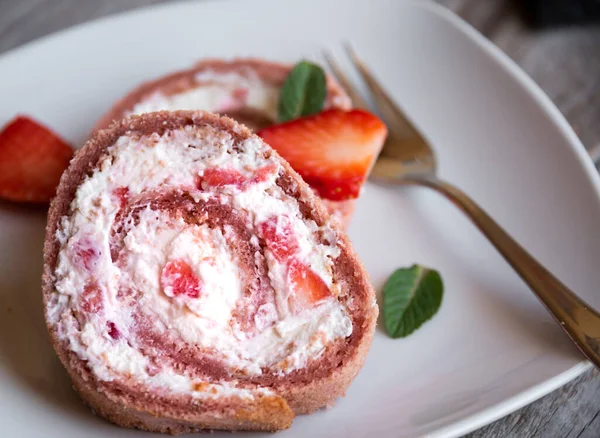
(316, 91)
(303, 92)
(411, 296)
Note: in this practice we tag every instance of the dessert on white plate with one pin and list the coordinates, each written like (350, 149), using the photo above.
(193, 281)
(515, 354)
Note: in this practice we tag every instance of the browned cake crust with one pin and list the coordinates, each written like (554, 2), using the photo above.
(129, 404)
(269, 72)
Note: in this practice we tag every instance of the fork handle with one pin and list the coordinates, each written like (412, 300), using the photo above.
(578, 319)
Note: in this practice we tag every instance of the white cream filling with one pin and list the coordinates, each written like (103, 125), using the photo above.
(167, 163)
(217, 93)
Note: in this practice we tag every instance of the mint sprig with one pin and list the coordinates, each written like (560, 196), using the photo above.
(411, 296)
(303, 92)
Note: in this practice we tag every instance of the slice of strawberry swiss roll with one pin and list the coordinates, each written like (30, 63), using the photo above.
(192, 280)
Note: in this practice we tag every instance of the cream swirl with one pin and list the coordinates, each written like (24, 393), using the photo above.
(183, 255)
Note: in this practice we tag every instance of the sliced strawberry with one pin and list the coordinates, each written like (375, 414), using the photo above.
(216, 177)
(264, 173)
(306, 287)
(222, 177)
(333, 150)
(279, 237)
(91, 298)
(178, 279)
(32, 159)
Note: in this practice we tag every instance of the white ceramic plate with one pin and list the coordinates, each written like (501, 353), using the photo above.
(491, 349)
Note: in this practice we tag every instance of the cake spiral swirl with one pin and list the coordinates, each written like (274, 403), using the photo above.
(192, 280)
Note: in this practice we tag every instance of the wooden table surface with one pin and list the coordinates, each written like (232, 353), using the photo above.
(564, 62)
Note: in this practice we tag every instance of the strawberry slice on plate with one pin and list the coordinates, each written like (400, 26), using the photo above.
(333, 150)
(32, 159)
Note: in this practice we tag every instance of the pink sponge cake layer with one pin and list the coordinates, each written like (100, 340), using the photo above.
(244, 89)
(192, 280)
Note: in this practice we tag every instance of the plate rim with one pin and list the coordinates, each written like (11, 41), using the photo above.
(506, 407)
(529, 86)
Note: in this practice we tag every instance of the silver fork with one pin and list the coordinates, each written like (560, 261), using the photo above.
(407, 159)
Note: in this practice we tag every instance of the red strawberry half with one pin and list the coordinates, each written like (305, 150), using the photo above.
(32, 159)
(333, 150)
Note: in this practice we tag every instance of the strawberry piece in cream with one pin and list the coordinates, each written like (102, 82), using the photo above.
(279, 237)
(307, 288)
(91, 298)
(222, 177)
(86, 254)
(217, 177)
(178, 279)
(113, 331)
(122, 194)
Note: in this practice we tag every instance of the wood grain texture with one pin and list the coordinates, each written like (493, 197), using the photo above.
(564, 62)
